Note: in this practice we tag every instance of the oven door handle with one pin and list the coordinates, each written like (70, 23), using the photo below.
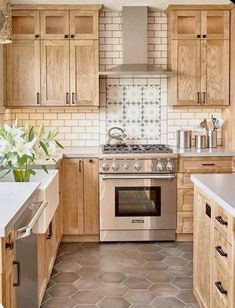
(138, 176)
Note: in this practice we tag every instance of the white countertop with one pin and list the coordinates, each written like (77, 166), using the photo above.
(219, 151)
(220, 187)
(13, 197)
(73, 152)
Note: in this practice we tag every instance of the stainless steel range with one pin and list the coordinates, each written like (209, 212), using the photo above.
(137, 193)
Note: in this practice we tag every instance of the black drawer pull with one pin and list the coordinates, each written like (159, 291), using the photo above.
(72, 36)
(221, 221)
(198, 98)
(66, 36)
(220, 251)
(208, 164)
(137, 221)
(67, 98)
(38, 98)
(37, 36)
(10, 245)
(17, 284)
(219, 286)
(204, 97)
(49, 234)
(198, 36)
(204, 35)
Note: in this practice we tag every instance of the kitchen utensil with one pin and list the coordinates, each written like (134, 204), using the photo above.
(116, 135)
(210, 125)
(219, 123)
(184, 139)
(203, 124)
(200, 141)
(212, 138)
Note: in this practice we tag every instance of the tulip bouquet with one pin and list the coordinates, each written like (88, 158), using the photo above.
(21, 149)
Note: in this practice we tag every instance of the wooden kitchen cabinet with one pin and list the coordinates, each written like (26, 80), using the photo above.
(199, 55)
(25, 24)
(185, 199)
(54, 24)
(55, 85)
(84, 24)
(79, 197)
(23, 73)
(84, 67)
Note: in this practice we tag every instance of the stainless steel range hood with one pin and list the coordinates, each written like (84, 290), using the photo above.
(135, 45)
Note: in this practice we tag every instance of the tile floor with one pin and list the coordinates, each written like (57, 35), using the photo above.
(121, 275)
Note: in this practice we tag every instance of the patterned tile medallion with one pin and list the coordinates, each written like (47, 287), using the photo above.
(122, 275)
(136, 108)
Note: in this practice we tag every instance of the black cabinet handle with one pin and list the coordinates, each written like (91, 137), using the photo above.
(17, 284)
(220, 251)
(208, 210)
(37, 36)
(80, 166)
(66, 36)
(67, 98)
(49, 234)
(198, 36)
(221, 221)
(204, 97)
(9, 245)
(219, 286)
(204, 36)
(198, 97)
(208, 164)
(38, 98)
(72, 36)
(73, 98)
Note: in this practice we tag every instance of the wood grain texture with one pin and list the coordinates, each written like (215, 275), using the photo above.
(215, 24)
(54, 24)
(54, 72)
(84, 67)
(226, 261)
(54, 7)
(184, 180)
(84, 25)
(227, 231)
(196, 7)
(185, 200)
(185, 24)
(25, 24)
(22, 73)
(184, 222)
(81, 238)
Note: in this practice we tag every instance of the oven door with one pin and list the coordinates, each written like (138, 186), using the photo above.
(134, 202)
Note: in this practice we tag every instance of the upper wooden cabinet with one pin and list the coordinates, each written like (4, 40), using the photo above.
(84, 25)
(190, 24)
(198, 39)
(25, 24)
(54, 24)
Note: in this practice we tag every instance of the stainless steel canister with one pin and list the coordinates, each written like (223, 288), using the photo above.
(200, 141)
(212, 139)
(184, 138)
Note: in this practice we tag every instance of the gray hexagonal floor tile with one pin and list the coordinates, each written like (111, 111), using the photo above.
(174, 252)
(168, 302)
(135, 271)
(155, 266)
(153, 256)
(187, 246)
(112, 267)
(188, 255)
(117, 302)
(168, 244)
(59, 302)
(183, 283)
(113, 289)
(89, 272)
(192, 306)
(163, 289)
(133, 261)
(149, 248)
(159, 277)
(187, 296)
(85, 306)
(69, 257)
(113, 277)
(65, 278)
(139, 297)
(141, 306)
(137, 283)
(180, 271)
(88, 283)
(89, 261)
(175, 261)
(87, 297)
(62, 290)
(67, 267)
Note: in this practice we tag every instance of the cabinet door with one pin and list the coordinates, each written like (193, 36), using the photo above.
(84, 67)
(72, 196)
(215, 24)
(54, 24)
(25, 24)
(91, 196)
(202, 249)
(185, 60)
(215, 72)
(55, 73)
(23, 73)
(186, 24)
(84, 24)
(8, 292)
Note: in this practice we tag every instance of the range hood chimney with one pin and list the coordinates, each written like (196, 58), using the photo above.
(135, 45)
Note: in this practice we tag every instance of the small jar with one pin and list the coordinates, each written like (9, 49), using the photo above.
(200, 141)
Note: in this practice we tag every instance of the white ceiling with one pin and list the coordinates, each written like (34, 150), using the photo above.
(117, 4)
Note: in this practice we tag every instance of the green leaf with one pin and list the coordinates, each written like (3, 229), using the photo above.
(31, 134)
(44, 168)
(44, 147)
(59, 145)
(31, 171)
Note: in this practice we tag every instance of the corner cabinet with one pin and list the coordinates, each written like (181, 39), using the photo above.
(54, 57)
(198, 38)
(80, 199)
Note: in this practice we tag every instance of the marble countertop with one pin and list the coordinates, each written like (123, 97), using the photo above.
(13, 197)
(219, 187)
(219, 151)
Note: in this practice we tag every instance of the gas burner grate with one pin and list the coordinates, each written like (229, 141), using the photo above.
(136, 148)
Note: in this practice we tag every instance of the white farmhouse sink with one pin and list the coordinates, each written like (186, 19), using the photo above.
(49, 191)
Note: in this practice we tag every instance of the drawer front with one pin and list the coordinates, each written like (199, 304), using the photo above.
(185, 200)
(223, 223)
(222, 250)
(185, 222)
(221, 286)
(184, 180)
(205, 164)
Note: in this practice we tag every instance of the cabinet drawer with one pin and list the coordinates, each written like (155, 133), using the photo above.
(221, 286)
(223, 223)
(205, 164)
(185, 222)
(185, 200)
(222, 250)
(184, 180)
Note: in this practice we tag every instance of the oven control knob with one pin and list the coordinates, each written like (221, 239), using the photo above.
(114, 166)
(105, 166)
(160, 165)
(170, 166)
(137, 166)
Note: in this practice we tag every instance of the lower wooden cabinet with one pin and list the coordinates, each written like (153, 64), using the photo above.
(79, 196)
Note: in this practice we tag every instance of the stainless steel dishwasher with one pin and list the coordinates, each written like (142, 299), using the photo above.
(26, 283)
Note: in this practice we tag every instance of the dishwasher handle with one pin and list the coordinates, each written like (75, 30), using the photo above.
(27, 230)
(138, 176)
